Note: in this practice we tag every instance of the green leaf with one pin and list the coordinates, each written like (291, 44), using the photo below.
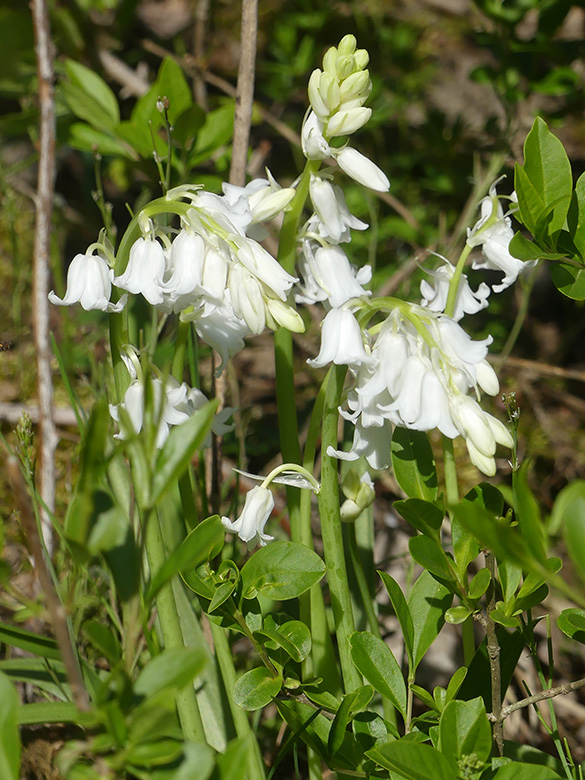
(568, 494)
(198, 761)
(103, 638)
(413, 761)
(456, 682)
(422, 515)
(9, 736)
(479, 584)
(518, 771)
(172, 84)
(26, 640)
(510, 576)
(281, 570)
(547, 167)
(89, 97)
(89, 139)
(572, 623)
(402, 612)
(54, 712)
(465, 547)
(456, 615)
(293, 637)
(428, 601)
(430, 555)
(48, 676)
(528, 514)
(180, 446)
(376, 662)
(185, 127)
(523, 249)
(464, 729)
(478, 679)
(530, 202)
(216, 132)
(413, 464)
(569, 279)
(256, 688)
(202, 544)
(149, 754)
(576, 216)
(352, 703)
(173, 668)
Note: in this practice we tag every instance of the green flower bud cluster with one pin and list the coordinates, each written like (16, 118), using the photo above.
(338, 92)
(359, 494)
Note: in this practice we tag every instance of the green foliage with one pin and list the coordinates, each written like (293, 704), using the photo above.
(280, 571)
(413, 464)
(9, 737)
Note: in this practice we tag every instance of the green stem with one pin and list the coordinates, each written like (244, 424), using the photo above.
(225, 662)
(331, 532)
(451, 484)
(170, 624)
(455, 279)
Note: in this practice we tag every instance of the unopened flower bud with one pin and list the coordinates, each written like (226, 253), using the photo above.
(329, 61)
(347, 44)
(316, 100)
(344, 66)
(329, 91)
(362, 58)
(357, 85)
(347, 122)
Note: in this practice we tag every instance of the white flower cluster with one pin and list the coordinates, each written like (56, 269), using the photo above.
(417, 375)
(172, 403)
(213, 271)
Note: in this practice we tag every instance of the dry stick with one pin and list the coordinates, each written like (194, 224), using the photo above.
(550, 693)
(57, 614)
(493, 649)
(44, 206)
(199, 88)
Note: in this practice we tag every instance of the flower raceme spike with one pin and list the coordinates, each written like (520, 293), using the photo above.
(342, 341)
(434, 293)
(418, 376)
(89, 282)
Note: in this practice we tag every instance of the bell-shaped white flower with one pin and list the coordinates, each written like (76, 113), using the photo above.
(361, 169)
(341, 341)
(334, 274)
(333, 218)
(186, 259)
(434, 293)
(257, 509)
(265, 197)
(89, 282)
(247, 298)
(145, 271)
(222, 330)
(313, 142)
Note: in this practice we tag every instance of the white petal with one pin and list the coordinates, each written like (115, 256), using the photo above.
(362, 170)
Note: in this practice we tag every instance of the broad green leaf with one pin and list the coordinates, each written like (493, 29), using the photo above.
(256, 688)
(352, 703)
(478, 679)
(371, 730)
(202, 544)
(89, 139)
(402, 612)
(524, 250)
(48, 676)
(424, 696)
(9, 736)
(109, 526)
(125, 564)
(179, 448)
(479, 584)
(456, 682)
(89, 97)
(172, 84)
(510, 576)
(414, 761)
(526, 754)
(413, 464)
(376, 662)
(150, 754)
(281, 570)
(530, 202)
(293, 636)
(518, 771)
(173, 668)
(431, 556)
(576, 216)
(26, 640)
(574, 532)
(499, 616)
(547, 166)
(103, 638)
(572, 623)
(234, 763)
(186, 126)
(569, 279)
(198, 761)
(464, 729)
(528, 514)
(216, 132)
(465, 547)
(568, 494)
(428, 601)
(54, 712)
(457, 615)
(488, 496)
(154, 718)
(422, 515)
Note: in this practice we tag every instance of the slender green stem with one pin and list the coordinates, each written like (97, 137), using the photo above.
(331, 532)
(225, 662)
(451, 484)
(170, 624)
(455, 279)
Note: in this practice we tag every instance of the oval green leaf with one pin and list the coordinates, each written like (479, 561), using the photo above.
(281, 570)
(376, 662)
(256, 688)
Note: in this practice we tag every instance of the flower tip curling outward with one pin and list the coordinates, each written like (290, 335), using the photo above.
(250, 524)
